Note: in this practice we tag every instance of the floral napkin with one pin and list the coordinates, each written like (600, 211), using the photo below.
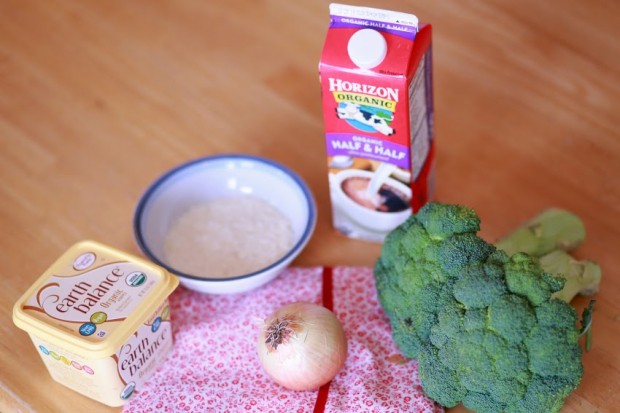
(214, 366)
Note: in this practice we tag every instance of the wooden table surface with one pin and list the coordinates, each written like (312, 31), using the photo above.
(97, 98)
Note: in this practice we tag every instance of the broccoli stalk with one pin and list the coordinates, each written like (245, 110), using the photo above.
(550, 236)
(552, 229)
(582, 277)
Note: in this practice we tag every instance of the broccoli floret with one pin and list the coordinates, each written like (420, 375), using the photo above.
(525, 277)
(443, 220)
(511, 317)
(484, 327)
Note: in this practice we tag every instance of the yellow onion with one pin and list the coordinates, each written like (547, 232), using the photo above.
(302, 346)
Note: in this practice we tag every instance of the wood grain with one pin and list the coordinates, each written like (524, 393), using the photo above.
(99, 98)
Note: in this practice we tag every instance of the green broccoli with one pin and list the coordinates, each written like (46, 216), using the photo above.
(484, 326)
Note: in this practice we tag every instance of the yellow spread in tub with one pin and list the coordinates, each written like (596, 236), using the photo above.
(100, 320)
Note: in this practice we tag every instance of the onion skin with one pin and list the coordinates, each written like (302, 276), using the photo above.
(302, 346)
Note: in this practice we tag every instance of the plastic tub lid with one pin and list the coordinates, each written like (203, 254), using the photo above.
(92, 299)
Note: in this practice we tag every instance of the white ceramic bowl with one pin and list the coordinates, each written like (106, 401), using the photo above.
(215, 177)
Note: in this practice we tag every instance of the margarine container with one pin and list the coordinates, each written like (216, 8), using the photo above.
(100, 320)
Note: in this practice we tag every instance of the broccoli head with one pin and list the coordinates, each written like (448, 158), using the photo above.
(484, 327)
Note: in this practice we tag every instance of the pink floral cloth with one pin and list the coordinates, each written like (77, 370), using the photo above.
(214, 366)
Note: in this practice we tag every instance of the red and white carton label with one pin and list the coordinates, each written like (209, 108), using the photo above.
(376, 84)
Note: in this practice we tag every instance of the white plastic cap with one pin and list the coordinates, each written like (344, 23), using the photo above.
(367, 48)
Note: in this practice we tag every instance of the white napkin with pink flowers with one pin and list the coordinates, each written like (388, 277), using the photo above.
(214, 366)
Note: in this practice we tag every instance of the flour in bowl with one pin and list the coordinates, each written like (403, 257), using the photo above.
(228, 237)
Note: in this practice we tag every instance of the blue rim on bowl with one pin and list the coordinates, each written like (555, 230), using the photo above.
(151, 190)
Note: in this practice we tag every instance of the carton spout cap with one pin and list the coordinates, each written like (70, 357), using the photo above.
(367, 48)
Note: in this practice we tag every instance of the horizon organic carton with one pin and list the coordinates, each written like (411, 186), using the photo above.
(376, 86)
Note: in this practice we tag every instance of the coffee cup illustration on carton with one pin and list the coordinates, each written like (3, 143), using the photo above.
(371, 200)
(376, 84)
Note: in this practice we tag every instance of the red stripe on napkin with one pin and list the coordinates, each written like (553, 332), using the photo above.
(328, 302)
